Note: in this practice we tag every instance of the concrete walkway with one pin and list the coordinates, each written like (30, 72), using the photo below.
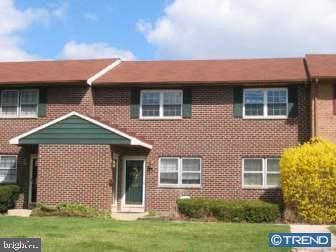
(314, 229)
(128, 216)
(19, 212)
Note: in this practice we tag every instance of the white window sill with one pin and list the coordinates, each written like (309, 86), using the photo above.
(19, 117)
(260, 187)
(180, 186)
(266, 118)
(162, 118)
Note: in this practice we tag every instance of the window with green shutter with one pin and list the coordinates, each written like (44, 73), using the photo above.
(161, 103)
(23, 103)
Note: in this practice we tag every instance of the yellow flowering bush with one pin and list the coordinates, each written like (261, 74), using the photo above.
(308, 180)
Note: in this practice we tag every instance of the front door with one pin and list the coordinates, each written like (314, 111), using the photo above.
(33, 180)
(134, 176)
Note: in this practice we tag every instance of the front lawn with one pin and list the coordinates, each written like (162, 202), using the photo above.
(76, 234)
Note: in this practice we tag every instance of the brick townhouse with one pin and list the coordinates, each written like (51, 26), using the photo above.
(135, 136)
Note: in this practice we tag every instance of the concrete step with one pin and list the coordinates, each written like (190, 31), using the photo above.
(19, 212)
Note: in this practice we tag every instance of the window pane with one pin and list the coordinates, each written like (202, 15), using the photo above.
(273, 165)
(191, 164)
(168, 165)
(7, 162)
(191, 178)
(277, 102)
(169, 178)
(7, 169)
(29, 96)
(253, 179)
(273, 179)
(151, 98)
(9, 102)
(254, 103)
(7, 175)
(172, 103)
(151, 104)
(28, 110)
(253, 165)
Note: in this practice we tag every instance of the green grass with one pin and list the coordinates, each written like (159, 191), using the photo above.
(76, 234)
(333, 229)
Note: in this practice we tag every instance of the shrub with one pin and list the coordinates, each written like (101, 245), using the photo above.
(308, 180)
(65, 210)
(230, 211)
(8, 195)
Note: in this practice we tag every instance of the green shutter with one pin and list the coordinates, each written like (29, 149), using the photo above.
(238, 102)
(187, 103)
(42, 108)
(292, 102)
(135, 103)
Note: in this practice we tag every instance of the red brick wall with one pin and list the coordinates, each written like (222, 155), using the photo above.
(325, 117)
(212, 134)
(62, 100)
(75, 173)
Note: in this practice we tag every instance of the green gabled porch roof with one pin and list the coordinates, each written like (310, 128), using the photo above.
(75, 128)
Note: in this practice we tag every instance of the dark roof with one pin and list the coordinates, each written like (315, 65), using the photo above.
(206, 71)
(50, 71)
(322, 65)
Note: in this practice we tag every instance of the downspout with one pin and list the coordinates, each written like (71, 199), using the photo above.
(315, 106)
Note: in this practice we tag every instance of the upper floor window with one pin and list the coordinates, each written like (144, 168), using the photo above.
(261, 172)
(7, 169)
(19, 103)
(265, 103)
(180, 172)
(161, 104)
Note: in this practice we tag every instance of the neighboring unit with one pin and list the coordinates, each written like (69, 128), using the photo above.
(136, 136)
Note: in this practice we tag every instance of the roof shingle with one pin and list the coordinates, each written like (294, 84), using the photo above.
(66, 71)
(206, 71)
(322, 65)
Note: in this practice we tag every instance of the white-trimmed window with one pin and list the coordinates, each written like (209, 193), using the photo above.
(7, 169)
(19, 103)
(161, 104)
(180, 172)
(265, 103)
(261, 172)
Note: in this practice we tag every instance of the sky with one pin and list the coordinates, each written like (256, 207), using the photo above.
(165, 29)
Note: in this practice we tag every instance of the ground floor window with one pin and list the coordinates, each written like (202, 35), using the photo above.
(180, 172)
(261, 172)
(7, 169)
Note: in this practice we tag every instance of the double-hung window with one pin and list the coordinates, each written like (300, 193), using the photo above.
(161, 104)
(19, 103)
(261, 172)
(265, 103)
(7, 169)
(180, 172)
